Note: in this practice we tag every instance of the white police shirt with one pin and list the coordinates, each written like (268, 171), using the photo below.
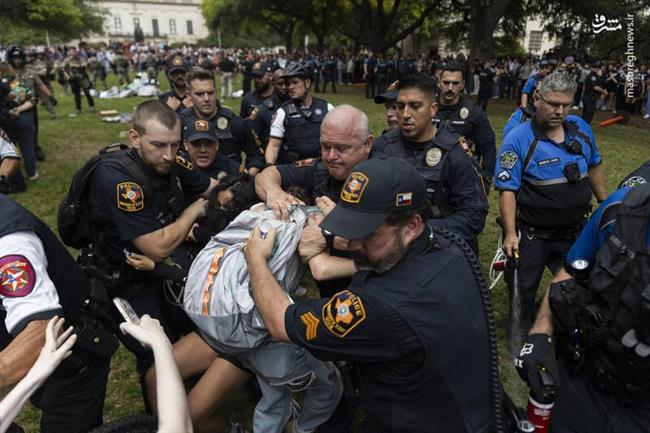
(277, 126)
(7, 148)
(25, 287)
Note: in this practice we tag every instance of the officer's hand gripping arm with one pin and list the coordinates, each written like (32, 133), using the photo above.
(159, 245)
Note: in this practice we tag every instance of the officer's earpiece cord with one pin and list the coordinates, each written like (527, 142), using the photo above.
(498, 421)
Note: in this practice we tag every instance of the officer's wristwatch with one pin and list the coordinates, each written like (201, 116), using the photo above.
(329, 239)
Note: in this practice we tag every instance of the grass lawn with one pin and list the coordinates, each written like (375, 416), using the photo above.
(68, 142)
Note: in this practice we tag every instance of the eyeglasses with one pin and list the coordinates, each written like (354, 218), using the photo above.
(556, 105)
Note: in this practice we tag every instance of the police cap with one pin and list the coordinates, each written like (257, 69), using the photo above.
(15, 51)
(197, 129)
(259, 69)
(375, 189)
(176, 63)
(389, 95)
(297, 70)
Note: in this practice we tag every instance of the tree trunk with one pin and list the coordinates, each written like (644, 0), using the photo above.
(483, 22)
(288, 35)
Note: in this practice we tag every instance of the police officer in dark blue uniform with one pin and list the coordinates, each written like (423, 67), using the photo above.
(597, 307)
(400, 320)
(295, 129)
(594, 89)
(261, 120)
(138, 200)
(238, 135)
(382, 74)
(39, 280)
(263, 92)
(176, 98)
(546, 171)
(453, 184)
(532, 82)
(637, 177)
(389, 99)
(467, 119)
(330, 74)
(202, 144)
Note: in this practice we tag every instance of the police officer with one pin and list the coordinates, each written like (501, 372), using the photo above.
(637, 177)
(400, 319)
(519, 116)
(467, 119)
(594, 90)
(263, 77)
(137, 199)
(237, 136)
(369, 76)
(532, 82)
(261, 122)
(202, 144)
(39, 280)
(176, 97)
(330, 73)
(121, 65)
(602, 332)
(389, 99)
(96, 70)
(382, 74)
(546, 171)
(295, 129)
(453, 184)
(75, 70)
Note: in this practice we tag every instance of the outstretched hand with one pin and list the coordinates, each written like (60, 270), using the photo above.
(56, 349)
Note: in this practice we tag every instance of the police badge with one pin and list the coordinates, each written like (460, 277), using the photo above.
(222, 123)
(433, 156)
(464, 113)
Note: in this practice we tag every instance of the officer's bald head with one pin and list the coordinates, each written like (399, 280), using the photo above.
(345, 140)
(348, 118)
(153, 110)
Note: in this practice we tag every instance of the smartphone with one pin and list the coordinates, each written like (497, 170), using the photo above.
(126, 310)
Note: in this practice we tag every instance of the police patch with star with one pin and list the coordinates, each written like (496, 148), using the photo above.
(17, 276)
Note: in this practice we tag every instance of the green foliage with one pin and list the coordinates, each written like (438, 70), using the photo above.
(508, 45)
(64, 19)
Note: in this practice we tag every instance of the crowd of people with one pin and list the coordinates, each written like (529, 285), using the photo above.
(206, 221)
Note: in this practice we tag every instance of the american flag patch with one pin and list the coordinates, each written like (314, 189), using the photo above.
(404, 199)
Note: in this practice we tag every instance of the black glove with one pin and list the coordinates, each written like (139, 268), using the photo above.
(534, 363)
(53, 101)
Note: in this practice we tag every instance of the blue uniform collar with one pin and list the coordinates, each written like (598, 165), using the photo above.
(570, 130)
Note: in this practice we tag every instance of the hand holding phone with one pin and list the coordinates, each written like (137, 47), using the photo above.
(126, 310)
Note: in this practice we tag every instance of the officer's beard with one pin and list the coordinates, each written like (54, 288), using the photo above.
(384, 264)
(262, 87)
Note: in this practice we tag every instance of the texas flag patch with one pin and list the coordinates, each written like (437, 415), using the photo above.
(404, 199)
(17, 276)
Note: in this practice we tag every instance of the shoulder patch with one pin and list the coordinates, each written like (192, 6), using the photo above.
(508, 159)
(309, 162)
(504, 176)
(634, 181)
(311, 322)
(343, 313)
(17, 276)
(184, 162)
(130, 196)
(354, 187)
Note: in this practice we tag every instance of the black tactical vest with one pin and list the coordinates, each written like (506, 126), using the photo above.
(68, 278)
(429, 161)
(458, 117)
(620, 281)
(302, 130)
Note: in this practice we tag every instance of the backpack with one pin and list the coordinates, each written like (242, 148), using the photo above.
(73, 219)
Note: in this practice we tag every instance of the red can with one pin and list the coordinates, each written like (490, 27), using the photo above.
(539, 414)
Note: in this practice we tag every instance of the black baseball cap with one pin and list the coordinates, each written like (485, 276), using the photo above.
(259, 69)
(376, 188)
(389, 95)
(198, 129)
(176, 63)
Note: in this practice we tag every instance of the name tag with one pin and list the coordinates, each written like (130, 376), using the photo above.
(549, 161)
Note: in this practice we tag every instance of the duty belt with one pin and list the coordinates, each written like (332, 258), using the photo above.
(612, 386)
(551, 234)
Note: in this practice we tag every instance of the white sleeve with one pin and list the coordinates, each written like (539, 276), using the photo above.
(7, 148)
(330, 107)
(277, 127)
(26, 290)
